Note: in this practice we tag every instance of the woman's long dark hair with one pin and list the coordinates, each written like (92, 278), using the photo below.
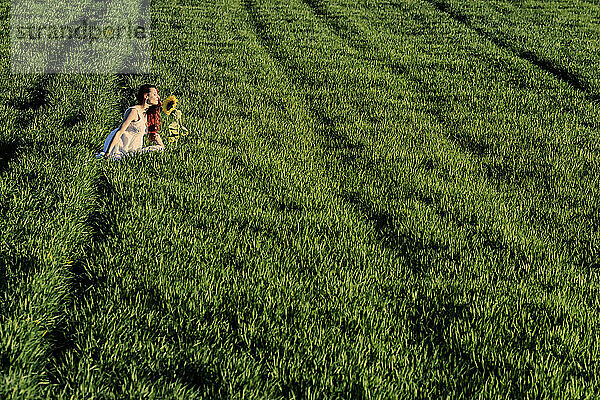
(153, 112)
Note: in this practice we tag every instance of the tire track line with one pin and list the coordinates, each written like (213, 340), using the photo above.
(353, 37)
(558, 72)
(335, 23)
(407, 245)
(333, 139)
(469, 145)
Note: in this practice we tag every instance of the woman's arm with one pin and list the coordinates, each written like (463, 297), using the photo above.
(124, 125)
(158, 141)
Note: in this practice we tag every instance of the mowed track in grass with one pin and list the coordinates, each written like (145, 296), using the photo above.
(378, 200)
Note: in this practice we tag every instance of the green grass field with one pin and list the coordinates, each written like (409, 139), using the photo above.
(378, 199)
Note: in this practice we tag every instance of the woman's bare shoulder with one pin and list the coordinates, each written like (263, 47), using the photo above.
(132, 109)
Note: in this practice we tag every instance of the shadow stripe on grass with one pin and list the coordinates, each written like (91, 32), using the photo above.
(559, 72)
(338, 26)
(386, 233)
(354, 38)
(333, 139)
(81, 279)
(496, 173)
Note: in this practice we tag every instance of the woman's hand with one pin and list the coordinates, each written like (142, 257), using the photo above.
(159, 142)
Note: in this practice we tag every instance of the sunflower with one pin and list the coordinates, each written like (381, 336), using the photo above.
(169, 104)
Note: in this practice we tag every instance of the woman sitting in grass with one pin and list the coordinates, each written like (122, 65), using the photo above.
(138, 120)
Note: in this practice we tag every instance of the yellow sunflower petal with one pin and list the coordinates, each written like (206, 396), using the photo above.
(169, 104)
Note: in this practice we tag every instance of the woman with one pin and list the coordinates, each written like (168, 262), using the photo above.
(138, 120)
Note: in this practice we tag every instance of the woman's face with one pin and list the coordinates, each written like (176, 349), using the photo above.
(152, 98)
